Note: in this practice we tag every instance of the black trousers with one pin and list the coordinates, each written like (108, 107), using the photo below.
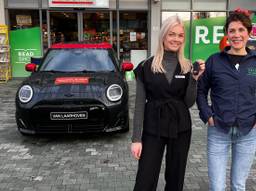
(151, 158)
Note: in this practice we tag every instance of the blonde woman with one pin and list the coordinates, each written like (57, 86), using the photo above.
(165, 91)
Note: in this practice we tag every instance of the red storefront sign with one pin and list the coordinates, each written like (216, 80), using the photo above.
(79, 3)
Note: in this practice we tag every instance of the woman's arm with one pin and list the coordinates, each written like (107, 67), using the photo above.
(139, 111)
(136, 146)
(191, 92)
(204, 85)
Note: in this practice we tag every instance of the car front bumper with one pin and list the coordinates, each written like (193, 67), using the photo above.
(99, 118)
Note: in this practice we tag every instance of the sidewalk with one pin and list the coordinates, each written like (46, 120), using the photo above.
(84, 163)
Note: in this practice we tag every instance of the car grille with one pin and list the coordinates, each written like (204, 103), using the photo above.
(69, 128)
(94, 123)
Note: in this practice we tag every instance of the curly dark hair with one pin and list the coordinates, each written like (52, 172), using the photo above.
(239, 16)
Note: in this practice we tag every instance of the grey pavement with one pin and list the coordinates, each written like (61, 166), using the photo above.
(85, 162)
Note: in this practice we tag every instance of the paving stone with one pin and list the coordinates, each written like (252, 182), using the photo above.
(85, 162)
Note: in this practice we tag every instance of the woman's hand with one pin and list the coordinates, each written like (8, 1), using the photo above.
(136, 149)
(201, 69)
(210, 121)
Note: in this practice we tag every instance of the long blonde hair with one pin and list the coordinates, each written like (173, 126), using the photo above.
(157, 66)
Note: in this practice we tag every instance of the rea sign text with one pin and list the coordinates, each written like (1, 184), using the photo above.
(202, 35)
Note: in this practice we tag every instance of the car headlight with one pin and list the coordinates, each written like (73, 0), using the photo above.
(114, 92)
(25, 93)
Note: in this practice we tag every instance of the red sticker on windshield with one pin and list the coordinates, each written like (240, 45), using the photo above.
(71, 80)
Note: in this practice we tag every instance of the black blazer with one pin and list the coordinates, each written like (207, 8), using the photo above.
(166, 113)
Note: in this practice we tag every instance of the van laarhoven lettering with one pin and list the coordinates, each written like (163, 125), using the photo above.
(68, 116)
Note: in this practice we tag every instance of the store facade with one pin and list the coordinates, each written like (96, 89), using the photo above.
(131, 26)
(122, 23)
(204, 21)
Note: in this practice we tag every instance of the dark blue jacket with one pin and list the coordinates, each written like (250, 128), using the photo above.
(233, 92)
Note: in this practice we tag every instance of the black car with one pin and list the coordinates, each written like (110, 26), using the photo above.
(76, 88)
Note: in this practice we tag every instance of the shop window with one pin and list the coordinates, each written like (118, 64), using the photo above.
(63, 27)
(210, 5)
(185, 16)
(22, 19)
(245, 4)
(133, 4)
(45, 4)
(112, 4)
(207, 31)
(96, 27)
(252, 40)
(22, 4)
(114, 31)
(133, 36)
(44, 31)
(176, 4)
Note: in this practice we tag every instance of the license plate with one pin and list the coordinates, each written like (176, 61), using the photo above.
(69, 115)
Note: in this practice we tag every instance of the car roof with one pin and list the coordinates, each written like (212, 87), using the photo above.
(81, 45)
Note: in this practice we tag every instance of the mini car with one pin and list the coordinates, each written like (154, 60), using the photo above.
(75, 88)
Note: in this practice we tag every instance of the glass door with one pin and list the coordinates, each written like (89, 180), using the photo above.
(63, 27)
(96, 27)
(133, 36)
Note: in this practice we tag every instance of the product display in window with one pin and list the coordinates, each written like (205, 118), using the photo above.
(252, 41)
(23, 19)
(4, 48)
(133, 33)
(131, 40)
(96, 27)
(63, 27)
(4, 58)
(2, 38)
(5, 67)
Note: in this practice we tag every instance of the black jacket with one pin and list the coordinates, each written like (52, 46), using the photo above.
(166, 112)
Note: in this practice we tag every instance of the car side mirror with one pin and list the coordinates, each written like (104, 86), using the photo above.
(127, 66)
(36, 60)
(31, 67)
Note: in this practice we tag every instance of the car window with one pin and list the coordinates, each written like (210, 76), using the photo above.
(76, 60)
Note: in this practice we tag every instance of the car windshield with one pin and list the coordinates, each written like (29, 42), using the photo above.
(78, 60)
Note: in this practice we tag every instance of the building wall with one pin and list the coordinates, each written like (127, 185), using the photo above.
(155, 25)
(2, 16)
(158, 10)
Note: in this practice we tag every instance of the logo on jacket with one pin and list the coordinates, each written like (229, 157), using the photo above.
(180, 76)
(251, 71)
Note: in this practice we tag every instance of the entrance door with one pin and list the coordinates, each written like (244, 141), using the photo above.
(63, 27)
(133, 36)
(96, 27)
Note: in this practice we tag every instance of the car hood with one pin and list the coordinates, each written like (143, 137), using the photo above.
(46, 82)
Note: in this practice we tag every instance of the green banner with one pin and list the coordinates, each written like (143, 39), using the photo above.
(254, 18)
(206, 35)
(187, 32)
(25, 43)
